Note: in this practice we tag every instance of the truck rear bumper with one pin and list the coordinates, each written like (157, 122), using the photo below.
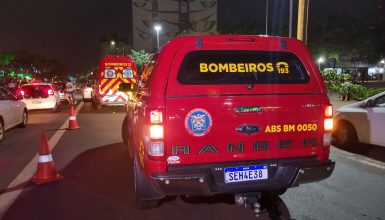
(208, 179)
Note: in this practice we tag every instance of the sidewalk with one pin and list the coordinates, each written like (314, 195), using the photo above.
(335, 100)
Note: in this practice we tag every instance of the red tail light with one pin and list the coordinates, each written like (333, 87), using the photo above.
(328, 120)
(22, 92)
(328, 127)
(154, 133)
(50, 92)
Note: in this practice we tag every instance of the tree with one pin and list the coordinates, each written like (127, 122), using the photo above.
(140, 58)
(31, 64)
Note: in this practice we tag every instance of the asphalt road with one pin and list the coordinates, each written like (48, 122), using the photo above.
(98, 178)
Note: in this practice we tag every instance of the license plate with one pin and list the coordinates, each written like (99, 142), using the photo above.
(36, 102)
(245, 173)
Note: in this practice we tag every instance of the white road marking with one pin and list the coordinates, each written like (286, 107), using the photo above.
(7, 198)
(361, 159)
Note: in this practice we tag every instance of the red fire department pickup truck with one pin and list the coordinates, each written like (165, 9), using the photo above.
(228, 114)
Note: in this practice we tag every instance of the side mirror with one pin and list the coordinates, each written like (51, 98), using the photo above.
(125, 87)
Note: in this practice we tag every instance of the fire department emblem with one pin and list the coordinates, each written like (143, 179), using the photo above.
(198, 122)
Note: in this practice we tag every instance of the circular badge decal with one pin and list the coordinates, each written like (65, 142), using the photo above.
(198, 122)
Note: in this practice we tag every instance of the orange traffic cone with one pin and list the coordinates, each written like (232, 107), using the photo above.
(45, 172)
(72, 123)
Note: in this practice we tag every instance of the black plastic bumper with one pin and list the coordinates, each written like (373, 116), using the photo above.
(208, 179)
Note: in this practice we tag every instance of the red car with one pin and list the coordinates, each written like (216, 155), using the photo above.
(228, 114)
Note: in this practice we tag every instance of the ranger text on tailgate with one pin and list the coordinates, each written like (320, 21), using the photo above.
(228, 114)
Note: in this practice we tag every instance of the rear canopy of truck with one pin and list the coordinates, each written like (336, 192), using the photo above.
(232, 98)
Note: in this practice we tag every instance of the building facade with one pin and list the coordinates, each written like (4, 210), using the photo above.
(173, 18)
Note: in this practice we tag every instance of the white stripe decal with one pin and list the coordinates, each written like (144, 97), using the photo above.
(45, 158)
(72, 118)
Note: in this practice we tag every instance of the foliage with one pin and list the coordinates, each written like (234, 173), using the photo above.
(32, 64)
(341, 83)
(6, 59)
(358, 92)
(140, 57)
(336, 82)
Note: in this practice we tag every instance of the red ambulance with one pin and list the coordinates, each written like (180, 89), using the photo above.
(114, 70)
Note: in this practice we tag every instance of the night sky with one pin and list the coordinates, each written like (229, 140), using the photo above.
(71, 31)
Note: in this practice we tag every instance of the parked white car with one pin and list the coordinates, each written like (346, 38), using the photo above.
(13, 111)
(362, 122)
(40, 96)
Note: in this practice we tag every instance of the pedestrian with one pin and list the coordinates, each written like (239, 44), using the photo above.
(69, 90)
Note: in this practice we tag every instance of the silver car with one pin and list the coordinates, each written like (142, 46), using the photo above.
(361, 122)
(13, 111)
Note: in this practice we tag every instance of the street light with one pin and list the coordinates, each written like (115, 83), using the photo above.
(157, 28)
(112, 43)
(319, 61)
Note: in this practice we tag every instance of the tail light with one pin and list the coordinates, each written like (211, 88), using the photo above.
(154, 133)
(328, 125)
(328, 121)
(22, 92)
(50, 92)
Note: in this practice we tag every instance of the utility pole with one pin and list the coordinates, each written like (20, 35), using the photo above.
(302, 19)
(301, 11)
(291, 19)
(267, 14)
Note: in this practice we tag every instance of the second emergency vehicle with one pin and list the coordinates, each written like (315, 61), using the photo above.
(113, 70)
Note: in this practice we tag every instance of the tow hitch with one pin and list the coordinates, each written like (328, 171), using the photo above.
(260, 203)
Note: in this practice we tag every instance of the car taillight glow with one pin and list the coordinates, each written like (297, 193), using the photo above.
(22, 92)
(328, 124)
(156, 131)
(50, 92)
(328, 118)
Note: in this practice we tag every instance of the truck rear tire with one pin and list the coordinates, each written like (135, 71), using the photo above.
(145, 196)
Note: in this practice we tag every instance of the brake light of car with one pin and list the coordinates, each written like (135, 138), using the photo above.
(50, 92)
(328, 125)
(154, 133)
(22, 92)
(328, 121)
